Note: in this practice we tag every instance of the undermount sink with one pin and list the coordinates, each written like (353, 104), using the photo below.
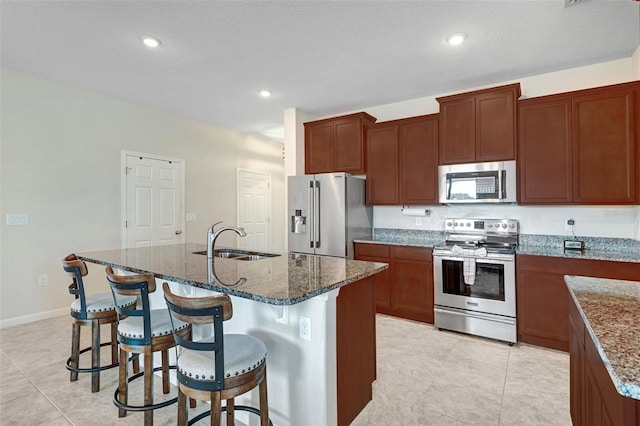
(238, 254)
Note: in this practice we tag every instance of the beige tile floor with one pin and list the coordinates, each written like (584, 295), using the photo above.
(425, 377)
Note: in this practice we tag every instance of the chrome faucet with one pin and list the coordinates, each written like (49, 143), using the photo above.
(213, 235)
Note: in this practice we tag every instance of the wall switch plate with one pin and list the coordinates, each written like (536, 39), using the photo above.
(305, 328)
(191, 217)
(43, 279)
(418, 221)
(569, 224)
(17, 219)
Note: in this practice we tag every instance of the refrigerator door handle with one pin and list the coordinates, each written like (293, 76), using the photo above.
(312, 214)
(316, 212)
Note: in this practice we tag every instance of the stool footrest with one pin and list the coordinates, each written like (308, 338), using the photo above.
(93, 369)
(237, 408)
(136, 408)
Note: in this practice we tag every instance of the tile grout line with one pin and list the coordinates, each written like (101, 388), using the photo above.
(37, 388)
(504, 385)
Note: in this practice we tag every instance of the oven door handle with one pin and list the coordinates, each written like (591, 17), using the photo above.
(475, 315)
(477, 259)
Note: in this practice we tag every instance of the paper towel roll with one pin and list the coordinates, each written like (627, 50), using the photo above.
(415, 212)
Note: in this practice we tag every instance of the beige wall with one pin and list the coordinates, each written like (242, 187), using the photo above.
(60, 163)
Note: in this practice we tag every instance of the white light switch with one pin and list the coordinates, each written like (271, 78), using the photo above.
(191, 217)
(17, 219)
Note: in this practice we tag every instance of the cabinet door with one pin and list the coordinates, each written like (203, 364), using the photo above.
(378, 253)
(412, 291)
(382, 165)
(495, 126)
(576, 367)
(457, 131)
(544, 151)
(348, 145)
(604, 149)
(543, 309)
(318, 148)
(418, 145)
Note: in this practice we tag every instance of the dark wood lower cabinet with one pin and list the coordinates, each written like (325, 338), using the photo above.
(405, 289)
(593, 397)
(356, 348)
(543, 298)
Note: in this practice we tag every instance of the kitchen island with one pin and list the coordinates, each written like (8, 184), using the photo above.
(604, 318)
(321, 375)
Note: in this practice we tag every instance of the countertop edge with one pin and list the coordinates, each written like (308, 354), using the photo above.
(625, 389)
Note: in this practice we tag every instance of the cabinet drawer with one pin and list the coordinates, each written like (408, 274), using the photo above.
(421, 254)
(375, 250)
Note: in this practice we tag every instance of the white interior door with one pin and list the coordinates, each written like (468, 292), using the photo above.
(254, 209)
(153, 201)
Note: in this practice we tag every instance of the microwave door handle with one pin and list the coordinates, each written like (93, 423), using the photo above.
(317, 214)
(448, 186)
(503, 183)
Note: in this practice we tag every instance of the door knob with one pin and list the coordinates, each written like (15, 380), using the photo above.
(178, 232)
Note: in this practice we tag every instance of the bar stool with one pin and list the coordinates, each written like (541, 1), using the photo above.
(91, 310)
(143, 331)
(219, 367)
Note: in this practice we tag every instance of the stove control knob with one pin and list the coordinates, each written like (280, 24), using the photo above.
(448, 223)
(455, 223)
(489, 226)
(504, 225)
(512, 226)
(468, 224)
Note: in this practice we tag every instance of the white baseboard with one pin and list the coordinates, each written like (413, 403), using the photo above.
(25, 319)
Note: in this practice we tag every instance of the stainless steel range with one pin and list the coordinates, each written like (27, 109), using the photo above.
(474, 278)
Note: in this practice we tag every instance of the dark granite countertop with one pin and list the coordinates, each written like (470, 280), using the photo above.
(597, 248)
(282, 280)
(611, 312)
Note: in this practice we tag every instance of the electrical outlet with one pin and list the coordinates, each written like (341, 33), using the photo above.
(191, 217)
(305, 328)
(418, 221)
(43, 280)
(568, 226)
(17, 219)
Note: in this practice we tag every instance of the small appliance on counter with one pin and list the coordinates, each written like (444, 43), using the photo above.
(326, 212)
(474, 278)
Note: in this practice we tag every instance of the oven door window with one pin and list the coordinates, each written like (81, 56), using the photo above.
(489, 282)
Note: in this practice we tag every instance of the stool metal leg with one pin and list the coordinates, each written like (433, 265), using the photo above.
(95, 355)
(75, 350)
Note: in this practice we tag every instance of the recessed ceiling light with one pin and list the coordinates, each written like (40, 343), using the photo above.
(150, 41)
(265, 93)
(455, 38)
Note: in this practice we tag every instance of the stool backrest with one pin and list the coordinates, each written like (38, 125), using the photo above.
(77, 269)
(201, 310)
(133, 285)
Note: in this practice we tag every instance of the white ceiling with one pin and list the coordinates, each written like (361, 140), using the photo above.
(324, 57)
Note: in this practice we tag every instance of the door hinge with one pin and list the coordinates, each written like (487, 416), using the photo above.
(126, 223)
(127, 170)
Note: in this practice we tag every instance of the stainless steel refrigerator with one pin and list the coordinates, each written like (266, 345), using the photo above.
(326, 212)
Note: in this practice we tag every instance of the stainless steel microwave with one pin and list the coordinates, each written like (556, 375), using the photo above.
(491, 182)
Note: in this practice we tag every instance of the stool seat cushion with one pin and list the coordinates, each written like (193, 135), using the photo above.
(242, 353)
(102, 302)
(133, 327)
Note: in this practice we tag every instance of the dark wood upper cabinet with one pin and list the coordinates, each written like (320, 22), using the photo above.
(418, 147)
(479, 126)
(580, 147)
(545, 151)
(337, 144)
(382, 165)
(402, 162)
(605, 145)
